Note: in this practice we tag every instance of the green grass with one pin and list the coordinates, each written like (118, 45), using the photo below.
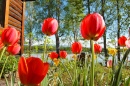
(103, 74)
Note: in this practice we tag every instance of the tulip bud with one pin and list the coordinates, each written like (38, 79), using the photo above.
(10, 36)
(97, 48)
(76, 47)
(14, 49)
(109, 63)
(122, 40)
(53, 55)
(92, 27)
(1, 44)
(63, 54)
(50, 26)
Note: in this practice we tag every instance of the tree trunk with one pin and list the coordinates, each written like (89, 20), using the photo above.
(88, 6)
(118, 32)
(57, 43)
(30, 44)
(104, 36)
(56, 35)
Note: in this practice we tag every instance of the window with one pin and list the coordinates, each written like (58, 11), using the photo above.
(2, 12)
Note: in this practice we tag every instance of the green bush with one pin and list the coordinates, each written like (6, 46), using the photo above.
(11, 64)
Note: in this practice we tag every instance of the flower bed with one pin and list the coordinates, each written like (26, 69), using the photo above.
(34, 71)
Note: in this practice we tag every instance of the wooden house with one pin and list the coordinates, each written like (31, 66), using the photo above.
(12, 14)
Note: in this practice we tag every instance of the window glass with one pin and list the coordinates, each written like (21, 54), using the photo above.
(2, 12)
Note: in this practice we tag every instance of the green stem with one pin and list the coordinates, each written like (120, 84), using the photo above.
(113, 64)
(3, 67)
(44, 53)
(75, 82)
(85, 72)
(123, 50)
(127, 57)
(117, 76)
(92, 65)
(113, 68)
(96, 58)
(3, 50)
(67, 71)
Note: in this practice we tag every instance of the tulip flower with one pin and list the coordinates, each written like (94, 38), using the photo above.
(97, 48)
(63, 54)
(112, 51)
(1, 44)
(56, 61)
(76, 47)
(127, 42)
(92, 27)
(53, 55)
(109, 63)
(14, 49)
(50, 26)
(32, 70)
(10, 36)
(122, 40)
(1, 30)
(74, 57)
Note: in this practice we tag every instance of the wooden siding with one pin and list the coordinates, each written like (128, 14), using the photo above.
(14, 17)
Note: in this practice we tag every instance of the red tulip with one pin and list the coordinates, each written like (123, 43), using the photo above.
(10, 36)
(122, 40)
(50, 26)
(76, 48)
(63, 54)
(92, 27)
(32, 70)
(1, 44)
(14, 49)
(109, 63)
(97, 48)
(53, 55)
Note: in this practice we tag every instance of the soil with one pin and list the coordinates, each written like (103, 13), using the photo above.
(3, 81)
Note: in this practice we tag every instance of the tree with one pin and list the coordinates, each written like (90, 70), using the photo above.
(29, 25)
(104, 36)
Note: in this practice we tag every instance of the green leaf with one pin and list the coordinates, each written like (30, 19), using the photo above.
(7, 83)
(117, 76)
(127, 83)
(44, 81)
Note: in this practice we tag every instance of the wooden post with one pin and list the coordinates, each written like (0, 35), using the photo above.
(6, 13)
(22, 32)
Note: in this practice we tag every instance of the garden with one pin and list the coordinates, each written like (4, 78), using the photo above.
(80, 54)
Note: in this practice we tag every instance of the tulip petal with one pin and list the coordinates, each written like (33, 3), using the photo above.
(23, 70)
(49, 26)
(10, 36)
(37, 70)
(100, 34)
(63, 54)
(121, 41)
(14, 49)
(32, 70)
(76, 48)
(92, 26)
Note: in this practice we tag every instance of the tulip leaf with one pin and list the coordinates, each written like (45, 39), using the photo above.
(127, 83)
(7, 83)
(61, 81)
(45, 81)
(117, 76)
(12, 79)
(102, 76)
